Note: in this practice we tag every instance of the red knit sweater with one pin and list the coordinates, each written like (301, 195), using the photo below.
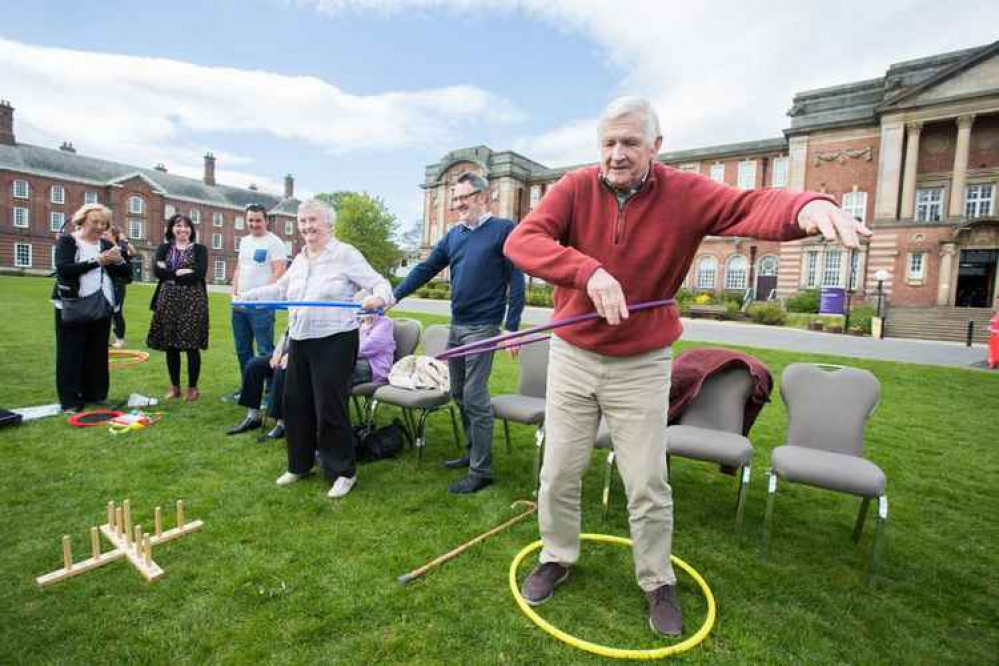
(647, 247)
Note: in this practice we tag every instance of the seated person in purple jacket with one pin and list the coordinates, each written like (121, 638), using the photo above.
(376, 351)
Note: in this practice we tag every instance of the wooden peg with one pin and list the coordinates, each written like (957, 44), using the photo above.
(119, 521)
(180, 513)
(67, 552)
(137, 538)
(95, 543)
(110, 514)
(158, 521)
(147, 549)
(128, 519)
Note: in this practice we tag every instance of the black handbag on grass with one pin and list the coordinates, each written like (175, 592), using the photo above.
(377, 444)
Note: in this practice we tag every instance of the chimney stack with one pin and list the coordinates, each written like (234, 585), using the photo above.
(160, 167)
(6, 123)
(67, 147)
(209, 169)
(289, 186)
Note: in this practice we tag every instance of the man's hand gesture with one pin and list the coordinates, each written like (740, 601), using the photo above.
(823, 217)
(607, 297)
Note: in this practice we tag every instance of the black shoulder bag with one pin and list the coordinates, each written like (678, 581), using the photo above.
(86, 309)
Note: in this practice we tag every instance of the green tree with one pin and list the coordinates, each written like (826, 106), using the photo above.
(364, 222)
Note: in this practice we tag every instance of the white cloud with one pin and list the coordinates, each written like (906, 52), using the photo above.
(142, 110)
(725, 70)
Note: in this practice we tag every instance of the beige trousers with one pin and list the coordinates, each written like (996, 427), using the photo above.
(632, 393)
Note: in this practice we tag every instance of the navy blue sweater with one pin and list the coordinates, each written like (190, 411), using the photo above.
(480, 275)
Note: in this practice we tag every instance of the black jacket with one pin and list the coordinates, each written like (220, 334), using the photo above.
(69, 270)
(167, 274)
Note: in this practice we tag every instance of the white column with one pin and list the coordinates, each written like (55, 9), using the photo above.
(889, 171)
(913, 130)
(797, 153)
(947, 252)
(960, 177)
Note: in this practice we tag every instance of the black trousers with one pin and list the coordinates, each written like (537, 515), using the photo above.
(257, 372)
(317, 388)
(118, 318)
(81, 361)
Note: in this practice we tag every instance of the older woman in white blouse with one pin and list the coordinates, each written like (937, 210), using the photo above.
(323, 346)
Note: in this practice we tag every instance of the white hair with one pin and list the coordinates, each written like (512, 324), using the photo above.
(325, 210)
(630, 105)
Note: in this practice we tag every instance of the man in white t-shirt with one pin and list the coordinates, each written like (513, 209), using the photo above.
(261, 262)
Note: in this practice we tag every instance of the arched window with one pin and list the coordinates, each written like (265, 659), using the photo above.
(707, 270)
(736, 272)
(768, 266)
(136, 205)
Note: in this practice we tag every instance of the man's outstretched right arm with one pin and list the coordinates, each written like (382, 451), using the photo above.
(424, 271)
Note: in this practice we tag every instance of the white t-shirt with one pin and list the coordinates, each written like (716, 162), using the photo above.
(255, 257)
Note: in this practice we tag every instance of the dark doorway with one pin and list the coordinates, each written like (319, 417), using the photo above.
(766, 278)
(976, 278)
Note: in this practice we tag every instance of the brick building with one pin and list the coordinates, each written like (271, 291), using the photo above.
(40, 188)
(914, 154)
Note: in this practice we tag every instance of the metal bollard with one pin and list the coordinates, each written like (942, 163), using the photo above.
(971, 332)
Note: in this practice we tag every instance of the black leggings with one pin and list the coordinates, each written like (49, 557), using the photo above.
(193, 366)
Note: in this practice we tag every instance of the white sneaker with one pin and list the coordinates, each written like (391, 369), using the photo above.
(118, 343)
(342, 486)
(288, 478)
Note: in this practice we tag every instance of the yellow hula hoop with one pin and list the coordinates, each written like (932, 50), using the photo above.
(603, 650)
(123, 358)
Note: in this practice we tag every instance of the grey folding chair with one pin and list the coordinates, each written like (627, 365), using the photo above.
(828, 408)
(710, 429)
(527, 405)
(407, 333)
(423, 401)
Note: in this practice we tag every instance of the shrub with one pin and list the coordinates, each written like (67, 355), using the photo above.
(804, 301)
(540, 297)
(733, 309)
(703, 299)
(771, 314)
(860, 317)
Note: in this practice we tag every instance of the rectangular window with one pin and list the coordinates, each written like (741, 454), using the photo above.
(855, 203)
(21, 217)
(89, 197)
(21, 189)
(135, 229)
(535, 196)
(831, 267)
(22, 255)
(238, 223)
(216, 241)
(929, 204)
(169, 211)
(219, 270)
(916, 266)
(195, 216)
(58, 194)
(747, 175)
(52, 257)
(811, 268)
(56, 220)
(136, 205)
(978, 200)
(289, 227)
(855, 270)
(778, 177)
(718, 173)
(690, 167)
(216, 219)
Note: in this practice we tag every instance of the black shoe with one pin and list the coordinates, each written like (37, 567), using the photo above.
(249, 423)
(277, 432)
(470, 484)
(540, 584)
(457, 463)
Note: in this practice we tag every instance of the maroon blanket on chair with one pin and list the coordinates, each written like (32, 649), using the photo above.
(693, 366)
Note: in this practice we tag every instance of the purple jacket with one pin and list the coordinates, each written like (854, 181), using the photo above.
(378, 347)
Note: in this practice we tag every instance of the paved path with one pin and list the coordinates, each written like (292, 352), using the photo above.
(950, 354)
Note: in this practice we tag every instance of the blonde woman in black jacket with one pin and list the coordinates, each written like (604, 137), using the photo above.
(180, 304)
(85, 264)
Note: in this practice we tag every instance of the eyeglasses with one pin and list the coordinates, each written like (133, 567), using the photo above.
(461, 198)
(255, 208)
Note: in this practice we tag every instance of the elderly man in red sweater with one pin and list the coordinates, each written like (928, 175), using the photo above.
(626, 231)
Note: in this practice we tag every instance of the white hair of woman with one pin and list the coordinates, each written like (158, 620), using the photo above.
(325, 211)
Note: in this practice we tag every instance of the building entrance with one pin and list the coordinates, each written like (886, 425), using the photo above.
(976, 278)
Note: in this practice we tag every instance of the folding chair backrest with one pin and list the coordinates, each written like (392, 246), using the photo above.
(721, 402)
(407, 334)
(828, 406)
(533, 370)
(435, 339)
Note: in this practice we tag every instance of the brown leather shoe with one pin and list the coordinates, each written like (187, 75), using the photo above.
(664, 613)
(192, 394)
(540, 585)
(174, 392)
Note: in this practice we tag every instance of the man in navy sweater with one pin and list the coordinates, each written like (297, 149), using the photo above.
(484, 284)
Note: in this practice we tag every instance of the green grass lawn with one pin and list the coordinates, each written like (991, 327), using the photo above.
(288, 576)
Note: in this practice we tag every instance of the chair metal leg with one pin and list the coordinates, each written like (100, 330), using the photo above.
(369, 411)
(879, 525)
(506, 433)
(421, 440)
(858, 528)
(608, 468)
(740, 504)
(356, 402)
(539, 443)
(771, 493)
(454, 427)
(410, 424)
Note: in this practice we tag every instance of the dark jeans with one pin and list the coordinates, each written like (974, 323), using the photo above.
(317, 388)
(118, 318)
(470, 390)
(81, 361)
(249, 326)
(258, 371)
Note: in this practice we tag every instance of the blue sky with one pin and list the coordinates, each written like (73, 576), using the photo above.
(362, 94)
